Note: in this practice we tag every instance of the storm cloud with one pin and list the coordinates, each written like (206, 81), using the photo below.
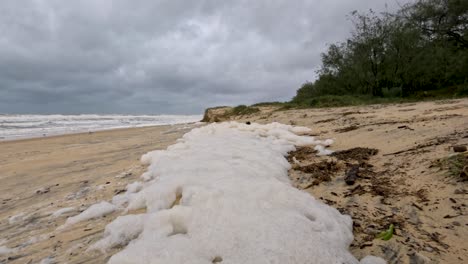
(162, 56)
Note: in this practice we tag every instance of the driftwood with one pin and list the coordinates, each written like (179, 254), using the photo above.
(438, 141)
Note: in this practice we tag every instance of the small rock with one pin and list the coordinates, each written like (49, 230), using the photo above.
(43, 190)
(456, 223)
(429, 249)
(414, 217)
(371, 231)
(248, 123)
(418, 258)
(217, 259)
(459, 148)
(392, 252)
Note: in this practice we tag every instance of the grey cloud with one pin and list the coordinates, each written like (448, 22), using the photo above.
(166, 56)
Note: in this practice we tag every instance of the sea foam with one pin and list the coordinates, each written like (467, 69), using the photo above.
(222, 194)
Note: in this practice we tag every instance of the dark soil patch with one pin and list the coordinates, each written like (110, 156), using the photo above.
(346, 129)
(321, 167)
(302, 153)
(368, 181)
(352, 113)
(359, 154)
(316, 173)
(381, 186)
(371, 182)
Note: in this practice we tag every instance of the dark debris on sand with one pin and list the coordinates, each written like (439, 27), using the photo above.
(317, 173)
(312, 170)
(302, 154)
(359, 154)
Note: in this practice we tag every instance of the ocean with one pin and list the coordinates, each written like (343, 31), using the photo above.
(31, 126)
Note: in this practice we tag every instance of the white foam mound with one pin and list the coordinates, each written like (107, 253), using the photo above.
(4, 249)
(17, 218)
(62, 211)
(236, 204)
(94, 211)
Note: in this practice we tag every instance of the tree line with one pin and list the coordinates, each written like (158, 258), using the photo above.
(420, 49)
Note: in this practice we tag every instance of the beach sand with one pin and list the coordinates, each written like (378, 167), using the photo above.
(40, 176)
(400, 184)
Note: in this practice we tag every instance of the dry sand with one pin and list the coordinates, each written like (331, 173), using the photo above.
(398, 185)
(401, 185)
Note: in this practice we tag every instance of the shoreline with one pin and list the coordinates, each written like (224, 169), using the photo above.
(89, 132)
(43, 175)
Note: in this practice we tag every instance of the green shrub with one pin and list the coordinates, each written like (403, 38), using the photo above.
(454, 165)
(243, 110)
(392, 92)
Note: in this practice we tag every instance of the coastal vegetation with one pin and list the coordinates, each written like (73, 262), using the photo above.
(455, 165)
(417, 52)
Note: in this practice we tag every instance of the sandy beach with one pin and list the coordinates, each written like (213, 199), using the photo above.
(234, 132)
(402, 184)
(399, 182)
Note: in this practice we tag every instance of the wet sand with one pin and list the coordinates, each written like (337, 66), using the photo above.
(39, 176)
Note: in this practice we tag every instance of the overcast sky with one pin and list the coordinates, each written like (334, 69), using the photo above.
(162, 56)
